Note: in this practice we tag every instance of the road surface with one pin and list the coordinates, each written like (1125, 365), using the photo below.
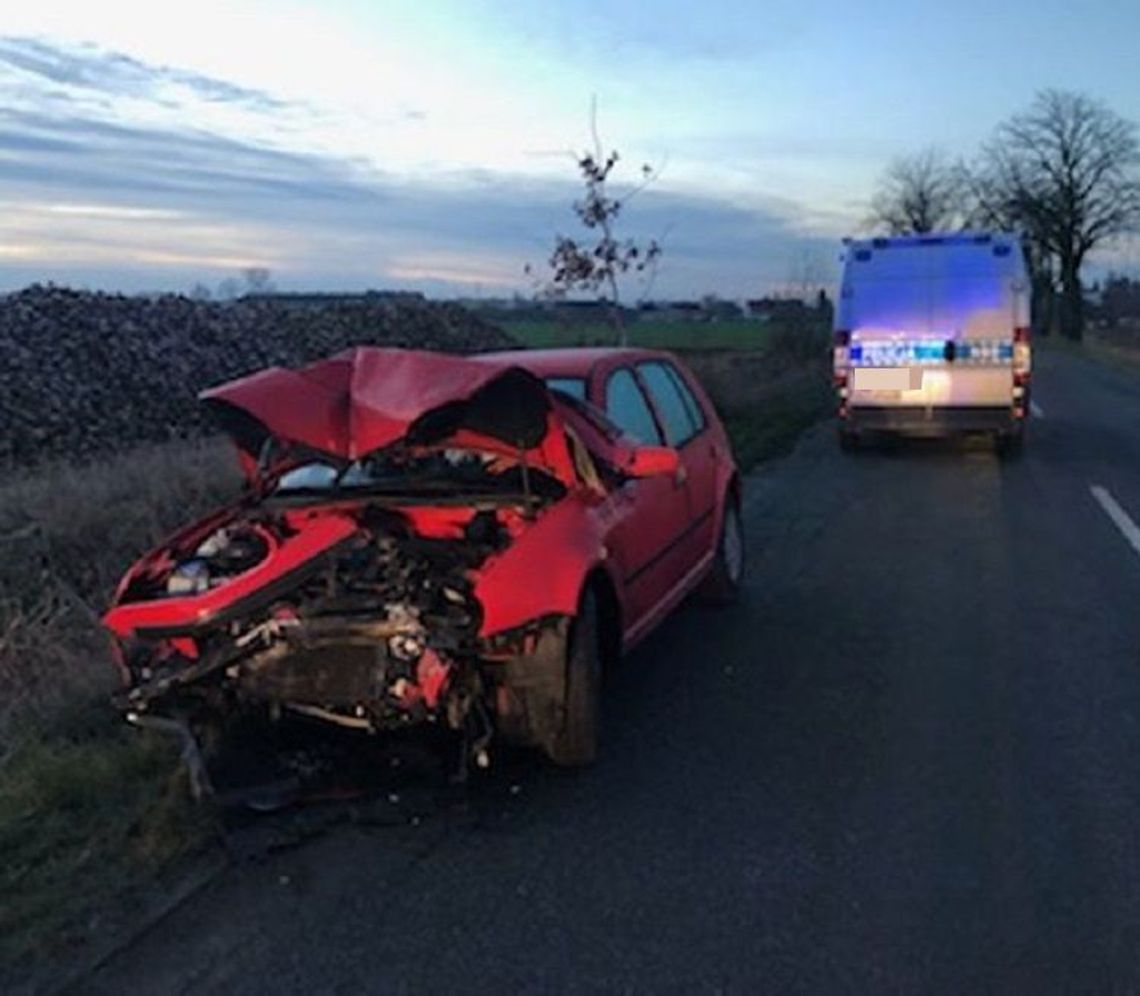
(908, 761)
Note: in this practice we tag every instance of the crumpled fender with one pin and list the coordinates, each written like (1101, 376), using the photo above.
(543, 571)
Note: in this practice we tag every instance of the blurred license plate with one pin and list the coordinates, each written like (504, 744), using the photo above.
(887, 379)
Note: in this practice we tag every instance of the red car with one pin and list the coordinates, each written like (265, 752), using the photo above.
(428, 538)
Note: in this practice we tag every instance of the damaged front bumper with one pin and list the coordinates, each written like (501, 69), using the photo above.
(379, 632)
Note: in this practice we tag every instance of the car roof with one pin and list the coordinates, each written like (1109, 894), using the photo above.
(570, 362)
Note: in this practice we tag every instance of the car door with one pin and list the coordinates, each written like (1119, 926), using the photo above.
(647, 543)
(687, 429)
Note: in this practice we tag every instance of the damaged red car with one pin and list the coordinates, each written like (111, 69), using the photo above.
(425, 538)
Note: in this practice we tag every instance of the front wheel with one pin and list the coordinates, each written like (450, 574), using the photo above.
(575, 742)
(722, 586)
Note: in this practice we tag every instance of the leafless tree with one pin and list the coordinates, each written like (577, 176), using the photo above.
(598, 263)
(919, 193)
(257, 280)
(994, 204)
(807, 275)
(1065, 173)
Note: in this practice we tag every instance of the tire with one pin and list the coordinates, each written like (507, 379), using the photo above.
(575, 742)
(722, 586)
(848, 441)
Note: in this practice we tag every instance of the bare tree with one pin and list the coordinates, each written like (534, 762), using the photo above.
(995, 203)
(919, 193)
(598, 264)
(1064, 172)
(257, 280)
(807, 275)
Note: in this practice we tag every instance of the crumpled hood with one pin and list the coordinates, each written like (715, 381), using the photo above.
(366, 398)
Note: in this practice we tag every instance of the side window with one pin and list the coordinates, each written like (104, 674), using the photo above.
(628, 410)
(692, 405)
(679, 410)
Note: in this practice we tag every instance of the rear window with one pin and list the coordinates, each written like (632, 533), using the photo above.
(574, 386)
(675, 403)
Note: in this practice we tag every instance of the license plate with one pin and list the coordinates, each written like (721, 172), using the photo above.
(882, 379)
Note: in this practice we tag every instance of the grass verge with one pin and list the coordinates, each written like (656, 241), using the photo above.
(769, 427)
(90, 817)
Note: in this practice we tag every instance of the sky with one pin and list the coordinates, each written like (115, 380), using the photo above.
(431, 145)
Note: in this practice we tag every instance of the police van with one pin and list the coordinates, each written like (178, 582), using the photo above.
(932, 336)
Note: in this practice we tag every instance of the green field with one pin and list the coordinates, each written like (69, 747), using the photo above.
(734, 334)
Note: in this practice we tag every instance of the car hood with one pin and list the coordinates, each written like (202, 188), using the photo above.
(367, 398)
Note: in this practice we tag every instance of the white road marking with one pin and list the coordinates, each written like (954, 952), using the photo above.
(1036, 410)
(1120, 518)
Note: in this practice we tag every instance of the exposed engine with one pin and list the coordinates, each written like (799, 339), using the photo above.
(379, 631)
(224, 553)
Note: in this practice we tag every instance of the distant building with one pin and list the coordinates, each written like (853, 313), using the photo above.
(1116, 302)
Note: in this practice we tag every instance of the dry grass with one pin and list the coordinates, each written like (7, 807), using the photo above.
(66, 535)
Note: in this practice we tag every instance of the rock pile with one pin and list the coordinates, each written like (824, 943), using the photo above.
(82, 372)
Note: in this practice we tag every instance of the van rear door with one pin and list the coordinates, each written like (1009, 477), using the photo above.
(932, 321)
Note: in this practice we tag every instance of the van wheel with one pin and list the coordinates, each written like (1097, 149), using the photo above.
(722, 586)
(848, 440)
(575, 742)
(1010, 445)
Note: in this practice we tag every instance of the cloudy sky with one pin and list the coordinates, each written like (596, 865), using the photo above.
(429, 144)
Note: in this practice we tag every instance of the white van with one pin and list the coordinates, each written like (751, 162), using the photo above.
(932, 336)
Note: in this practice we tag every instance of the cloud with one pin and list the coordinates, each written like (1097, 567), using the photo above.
(139, 203)
(116, 74)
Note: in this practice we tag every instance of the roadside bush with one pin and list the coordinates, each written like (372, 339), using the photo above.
(799, 340)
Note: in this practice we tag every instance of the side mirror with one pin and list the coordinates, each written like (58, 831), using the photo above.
(651, 461)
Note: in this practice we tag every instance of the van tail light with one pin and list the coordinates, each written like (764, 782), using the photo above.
(840, 359)
(1021, 356)
(842, 341)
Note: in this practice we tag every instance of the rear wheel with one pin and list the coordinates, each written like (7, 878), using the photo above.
(722, 586)
(575, 742)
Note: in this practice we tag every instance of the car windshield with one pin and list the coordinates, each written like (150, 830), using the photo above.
(440, 472)
(573, 386)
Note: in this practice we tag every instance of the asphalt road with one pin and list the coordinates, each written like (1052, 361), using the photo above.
(908, 761)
